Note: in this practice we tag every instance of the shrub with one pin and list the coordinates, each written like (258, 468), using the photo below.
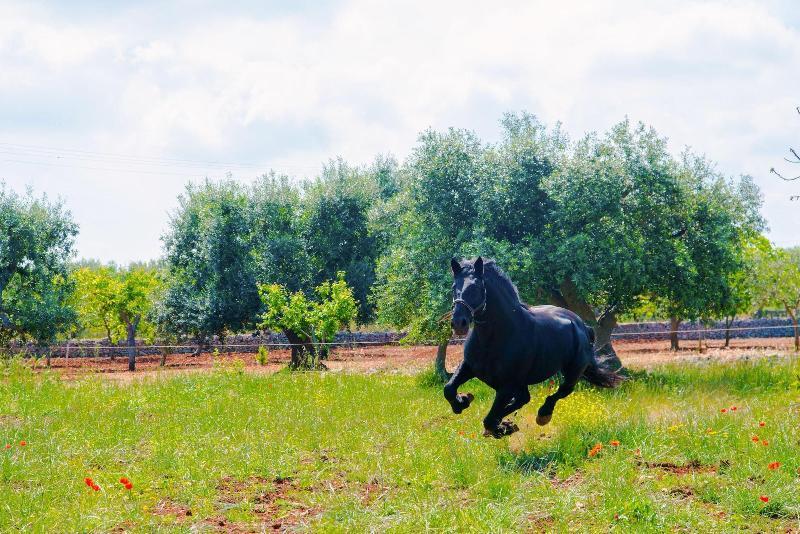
(263, 355)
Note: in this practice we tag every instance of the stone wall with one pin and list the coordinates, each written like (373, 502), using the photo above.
(745, 328)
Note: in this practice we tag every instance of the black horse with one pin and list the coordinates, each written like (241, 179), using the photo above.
(513, 345)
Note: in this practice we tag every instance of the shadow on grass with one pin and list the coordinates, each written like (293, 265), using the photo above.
(531, 462)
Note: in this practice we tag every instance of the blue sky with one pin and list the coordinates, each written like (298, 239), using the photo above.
(115, 107)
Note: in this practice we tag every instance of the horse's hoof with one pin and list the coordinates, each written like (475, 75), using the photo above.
(463, 401)
(505, 428)
(542, 420)
(509, 428)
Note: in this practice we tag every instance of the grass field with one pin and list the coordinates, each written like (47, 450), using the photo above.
(233, 451)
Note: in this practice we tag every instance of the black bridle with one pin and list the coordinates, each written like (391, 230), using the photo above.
(473, 311)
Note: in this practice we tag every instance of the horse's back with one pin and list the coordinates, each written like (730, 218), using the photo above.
(559, 336)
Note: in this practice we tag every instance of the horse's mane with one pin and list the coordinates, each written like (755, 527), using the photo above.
(492, 271)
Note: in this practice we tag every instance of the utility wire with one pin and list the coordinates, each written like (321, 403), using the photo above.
(62, 155)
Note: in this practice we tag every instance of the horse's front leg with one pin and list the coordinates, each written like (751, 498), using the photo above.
(506, 400)
(459, 401)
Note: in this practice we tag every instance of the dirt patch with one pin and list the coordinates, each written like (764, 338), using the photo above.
(373, 491)
(684, 469)
(168, 507)
(273, 504)
(10, 421)
(572, 480)
(681, 492)
(400, 359)
(540, 523)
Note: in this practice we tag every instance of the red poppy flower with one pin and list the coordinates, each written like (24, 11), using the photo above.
(614, 443)
(128, 486)
(88, 481)
(8, 445)
(774, 465)
(594, 450)
(764, 442)
(95, 487)
(764, 498)
(124, 481)
(762, 423)
(755, 439)
(724, 410)
(733, 408)
(23, 443)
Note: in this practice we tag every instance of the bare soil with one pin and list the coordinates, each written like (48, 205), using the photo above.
(392, 358)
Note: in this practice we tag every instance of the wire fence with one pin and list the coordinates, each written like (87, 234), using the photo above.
(80, 349)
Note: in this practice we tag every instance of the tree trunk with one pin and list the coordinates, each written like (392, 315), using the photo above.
(440, 363)
(602, 342)
(674, 324)
(304, 353)
(202, 343)
(793, 317)
(569, 298)
(728, 324)
(131, 327)
(108, 339)
(47, 357)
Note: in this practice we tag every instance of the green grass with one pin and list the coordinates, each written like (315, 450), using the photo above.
(343, 452)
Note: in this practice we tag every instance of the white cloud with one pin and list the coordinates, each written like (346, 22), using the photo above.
(366, 77)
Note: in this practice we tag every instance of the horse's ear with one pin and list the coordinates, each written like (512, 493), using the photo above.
(479, 267)
(455, 266)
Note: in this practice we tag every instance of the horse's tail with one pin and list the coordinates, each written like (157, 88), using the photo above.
(601, 376)
(598, 373)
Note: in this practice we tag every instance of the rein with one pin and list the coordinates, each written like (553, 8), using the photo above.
(477, 309)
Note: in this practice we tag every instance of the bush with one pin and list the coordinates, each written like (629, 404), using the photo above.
(263, 355)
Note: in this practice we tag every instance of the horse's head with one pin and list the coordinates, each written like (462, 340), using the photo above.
(469, 293)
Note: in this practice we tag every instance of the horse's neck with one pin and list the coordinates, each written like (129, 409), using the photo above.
(498, 308)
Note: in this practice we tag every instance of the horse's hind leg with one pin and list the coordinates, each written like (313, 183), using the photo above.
(571, 376)
(505, 402)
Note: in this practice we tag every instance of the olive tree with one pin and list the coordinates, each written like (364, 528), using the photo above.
(96, 288)
(777, 280)
(211, 279)
(118, 300)
(336, 227)
(591, 226)
(309, 323)
(434, 219)
(36, 244)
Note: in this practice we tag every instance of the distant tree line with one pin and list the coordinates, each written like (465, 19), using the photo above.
(606, 225)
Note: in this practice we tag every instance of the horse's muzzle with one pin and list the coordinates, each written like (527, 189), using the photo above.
(460, 325)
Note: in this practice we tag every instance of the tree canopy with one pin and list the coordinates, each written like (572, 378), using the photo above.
(211, 281)
(777, 280)
(598, 225)
(309, 322)
(590, 226)
(36, 243)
